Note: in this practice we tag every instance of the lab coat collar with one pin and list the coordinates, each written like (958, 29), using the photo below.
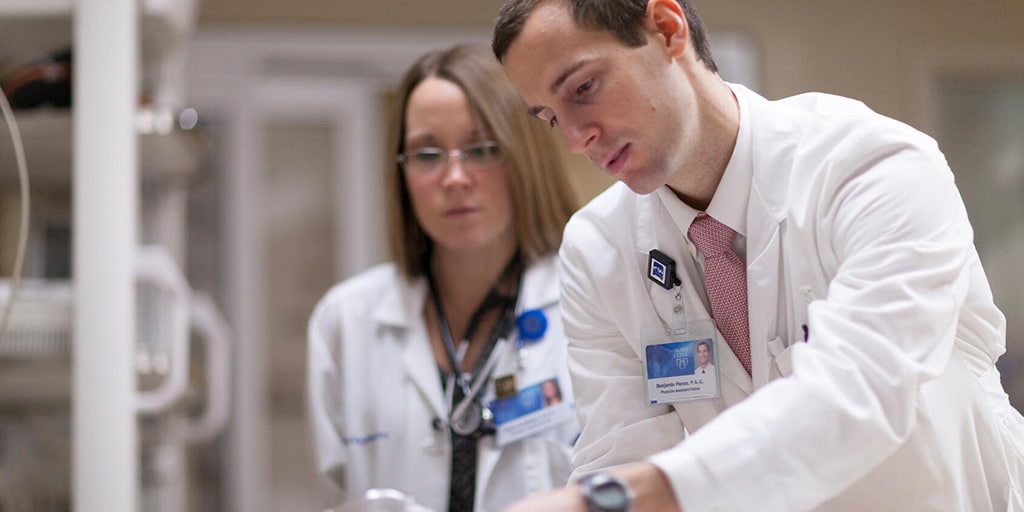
(729, 204)
(402, 305)
(772, 137)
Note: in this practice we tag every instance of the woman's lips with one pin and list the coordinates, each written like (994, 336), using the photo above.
(459, 210)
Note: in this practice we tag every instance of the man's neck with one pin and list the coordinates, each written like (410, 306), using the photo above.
(719, 126)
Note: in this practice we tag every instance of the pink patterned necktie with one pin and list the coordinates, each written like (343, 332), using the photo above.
(725, 278)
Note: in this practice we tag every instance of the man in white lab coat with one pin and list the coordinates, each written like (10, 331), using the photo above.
(864, 378)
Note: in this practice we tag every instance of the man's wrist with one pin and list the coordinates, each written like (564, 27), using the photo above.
(603, 492)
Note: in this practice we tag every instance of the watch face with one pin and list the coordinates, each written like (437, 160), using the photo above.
(610, 496)
(604, 493)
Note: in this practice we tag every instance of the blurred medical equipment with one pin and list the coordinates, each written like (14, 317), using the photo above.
(19, 154)
(44, 81)
(35, 385)
(381, 500)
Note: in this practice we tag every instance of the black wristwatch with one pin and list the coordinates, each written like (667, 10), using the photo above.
(605, 493)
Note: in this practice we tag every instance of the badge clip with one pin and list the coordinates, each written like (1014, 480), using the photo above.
(662, 269)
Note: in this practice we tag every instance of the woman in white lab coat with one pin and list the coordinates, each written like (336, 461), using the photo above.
(477, 199)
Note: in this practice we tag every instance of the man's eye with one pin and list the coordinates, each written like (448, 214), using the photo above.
(585, 88)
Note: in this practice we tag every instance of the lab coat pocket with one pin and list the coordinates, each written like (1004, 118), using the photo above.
(782, 357)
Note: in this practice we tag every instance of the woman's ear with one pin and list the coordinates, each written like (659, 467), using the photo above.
(666, 21)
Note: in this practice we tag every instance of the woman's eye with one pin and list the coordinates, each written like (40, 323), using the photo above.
(552, 122)
(427, 156)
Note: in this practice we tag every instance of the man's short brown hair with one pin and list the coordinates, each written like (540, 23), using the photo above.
(622, 18)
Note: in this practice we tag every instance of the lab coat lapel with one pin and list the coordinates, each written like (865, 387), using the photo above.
(765, 223)
(763, 276)
(402, 310)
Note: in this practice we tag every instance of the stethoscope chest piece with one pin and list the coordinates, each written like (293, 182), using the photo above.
(476, 420)
(469, 421)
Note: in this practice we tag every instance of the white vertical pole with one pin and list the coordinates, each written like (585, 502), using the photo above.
(357, 181)
(105, 448)
(250, 480)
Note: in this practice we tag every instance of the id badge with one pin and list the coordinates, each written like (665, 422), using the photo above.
(681, 363)
(532, 410)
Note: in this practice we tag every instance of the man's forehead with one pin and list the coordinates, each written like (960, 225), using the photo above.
(543, 24)
(539, 51)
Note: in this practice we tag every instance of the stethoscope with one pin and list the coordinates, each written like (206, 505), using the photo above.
(531, 326)
(470, 416)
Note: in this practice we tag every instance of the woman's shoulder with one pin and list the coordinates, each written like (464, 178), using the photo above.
(364, 289)
(540, 282)
(544, 266)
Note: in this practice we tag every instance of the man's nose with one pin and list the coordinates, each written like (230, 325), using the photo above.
(579, 136)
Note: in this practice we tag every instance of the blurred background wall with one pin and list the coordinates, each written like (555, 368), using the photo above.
(862, 49)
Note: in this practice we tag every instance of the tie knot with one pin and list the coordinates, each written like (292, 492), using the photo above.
(710, 236)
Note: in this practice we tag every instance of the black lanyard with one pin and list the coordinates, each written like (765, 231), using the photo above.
(502, 328)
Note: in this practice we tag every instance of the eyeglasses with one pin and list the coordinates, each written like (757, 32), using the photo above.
(476, 156)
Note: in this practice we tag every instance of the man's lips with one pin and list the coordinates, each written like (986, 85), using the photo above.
(614, 163)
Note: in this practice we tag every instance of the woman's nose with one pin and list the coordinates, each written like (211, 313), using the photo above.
(454, 172)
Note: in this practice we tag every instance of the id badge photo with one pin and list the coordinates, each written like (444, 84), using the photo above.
(681, 362)
(529, 411)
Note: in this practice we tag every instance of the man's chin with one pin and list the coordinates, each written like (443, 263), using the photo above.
(641, 188)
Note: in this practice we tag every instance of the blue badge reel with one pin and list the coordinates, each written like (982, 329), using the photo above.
(532, 325)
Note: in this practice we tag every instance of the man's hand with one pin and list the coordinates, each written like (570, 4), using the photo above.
(651, 490)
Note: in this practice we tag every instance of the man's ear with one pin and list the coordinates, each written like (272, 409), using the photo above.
(666, 21)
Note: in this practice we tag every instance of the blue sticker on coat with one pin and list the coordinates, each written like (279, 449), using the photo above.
(532, 325)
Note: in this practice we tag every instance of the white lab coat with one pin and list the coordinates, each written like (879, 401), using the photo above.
(375, 390)
(855, 229)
